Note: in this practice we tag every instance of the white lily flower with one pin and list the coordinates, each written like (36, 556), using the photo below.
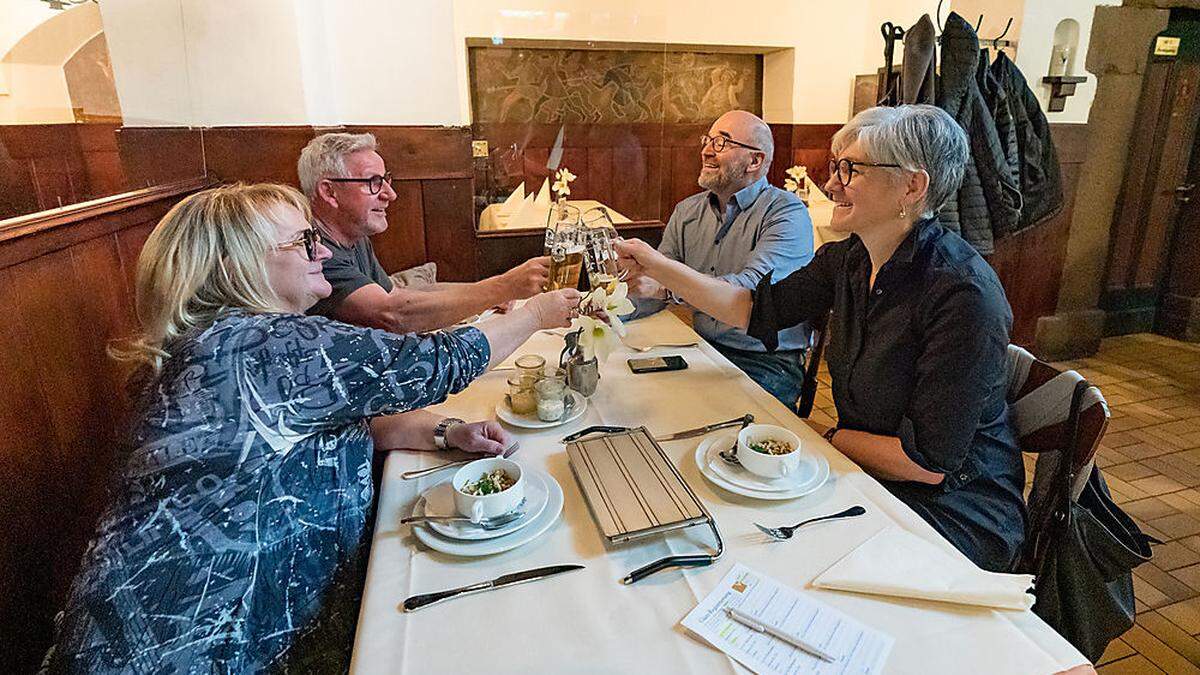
(564, 174)
(797, 172)
(791, 185)
(596, 339)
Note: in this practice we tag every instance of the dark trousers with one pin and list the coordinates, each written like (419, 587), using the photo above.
(781, 373)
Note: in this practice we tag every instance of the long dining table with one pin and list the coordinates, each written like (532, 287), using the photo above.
(588, 621)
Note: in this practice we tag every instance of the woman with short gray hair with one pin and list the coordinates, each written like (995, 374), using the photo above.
(918, 329)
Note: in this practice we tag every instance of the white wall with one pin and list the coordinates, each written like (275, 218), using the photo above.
(1037, 38)
(33, 86)
(329, 62)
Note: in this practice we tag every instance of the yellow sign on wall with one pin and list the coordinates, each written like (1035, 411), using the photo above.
(1166, 46)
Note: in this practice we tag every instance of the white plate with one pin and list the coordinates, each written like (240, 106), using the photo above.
(706, 459)
(440, 499)
(533, 530)
(743, 477)
(532, 422)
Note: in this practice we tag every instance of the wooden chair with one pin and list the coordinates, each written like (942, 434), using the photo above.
(808, 390)
(1061, 417)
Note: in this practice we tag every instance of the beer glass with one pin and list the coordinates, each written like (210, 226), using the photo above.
(565, 243)
(601, 257)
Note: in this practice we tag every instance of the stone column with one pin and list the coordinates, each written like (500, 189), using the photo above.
(1118, 53)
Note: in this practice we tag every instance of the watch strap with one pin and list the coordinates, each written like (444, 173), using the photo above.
(439, 431)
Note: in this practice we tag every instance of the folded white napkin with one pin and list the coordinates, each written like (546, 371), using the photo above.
(897, 562)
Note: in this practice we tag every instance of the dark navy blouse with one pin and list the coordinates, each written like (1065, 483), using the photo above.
(920, 356)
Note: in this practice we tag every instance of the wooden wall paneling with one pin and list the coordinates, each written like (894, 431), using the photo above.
(129, 246)
(651, 190)
(629, 179)
(1030, 263)
(17, 195)
(600, 177)
(255, 154)
(160, 155)
(535, 168)
(402, 245)
(576, 159)
(28, 499)
(418, 152)
(685, 170)
(450, 228)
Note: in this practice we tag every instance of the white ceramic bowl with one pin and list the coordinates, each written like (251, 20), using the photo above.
(477, 507)
(768, 466)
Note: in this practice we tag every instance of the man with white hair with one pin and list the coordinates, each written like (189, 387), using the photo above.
(350, 190)
(739, 229)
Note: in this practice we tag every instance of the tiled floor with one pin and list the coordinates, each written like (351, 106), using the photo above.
(1151, 460)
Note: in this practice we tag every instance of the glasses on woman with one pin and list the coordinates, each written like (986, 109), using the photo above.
(845, 169)
(373, 183)
(719, 143)
(308, 239)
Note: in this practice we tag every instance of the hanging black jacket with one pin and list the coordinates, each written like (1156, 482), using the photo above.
(988, 204)
(1038, 169)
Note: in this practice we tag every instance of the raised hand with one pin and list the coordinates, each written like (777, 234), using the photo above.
(556, 308)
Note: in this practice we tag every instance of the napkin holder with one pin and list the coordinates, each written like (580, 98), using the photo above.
(634, 491)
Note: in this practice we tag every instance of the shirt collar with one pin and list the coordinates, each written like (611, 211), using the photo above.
(923, 230)
(746, 196)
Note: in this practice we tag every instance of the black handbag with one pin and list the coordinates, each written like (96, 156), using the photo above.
(1084, 585)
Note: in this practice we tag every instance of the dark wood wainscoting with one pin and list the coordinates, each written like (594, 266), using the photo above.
(66, 285)
(1030, 263)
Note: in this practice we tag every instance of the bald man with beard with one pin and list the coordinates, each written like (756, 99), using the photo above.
(739, 229)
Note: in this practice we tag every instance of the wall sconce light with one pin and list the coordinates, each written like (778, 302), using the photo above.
(1062, 64)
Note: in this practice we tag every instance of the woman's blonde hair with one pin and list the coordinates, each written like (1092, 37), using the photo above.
(207, 254)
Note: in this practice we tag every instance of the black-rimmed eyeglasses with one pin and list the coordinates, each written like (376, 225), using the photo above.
(308, 239)
(719, 143)
(373, 183)
(845, 169)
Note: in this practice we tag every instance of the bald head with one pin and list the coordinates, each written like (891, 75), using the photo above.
(749, 129)
(745, 157)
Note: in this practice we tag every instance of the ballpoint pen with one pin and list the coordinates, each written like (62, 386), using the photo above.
(762, 627)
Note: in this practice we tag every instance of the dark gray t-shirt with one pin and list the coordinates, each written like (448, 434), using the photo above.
(350, 268)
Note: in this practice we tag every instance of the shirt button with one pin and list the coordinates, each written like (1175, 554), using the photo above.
(963, 477)
(878, 291)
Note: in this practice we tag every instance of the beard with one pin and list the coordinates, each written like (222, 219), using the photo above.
(730, 177)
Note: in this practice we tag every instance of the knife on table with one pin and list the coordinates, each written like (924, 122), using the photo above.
(424, 600)
(742, 421)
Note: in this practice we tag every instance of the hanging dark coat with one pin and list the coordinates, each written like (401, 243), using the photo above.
(988, 204)
(917, 74)
(1038, 169)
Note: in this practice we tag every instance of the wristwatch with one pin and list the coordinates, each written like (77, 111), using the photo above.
(439, 431)
(828, 435)
(672, 298)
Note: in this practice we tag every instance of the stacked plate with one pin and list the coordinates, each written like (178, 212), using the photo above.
(543, 504)
(809, 476)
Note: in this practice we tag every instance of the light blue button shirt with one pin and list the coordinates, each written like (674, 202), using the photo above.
(763, 229)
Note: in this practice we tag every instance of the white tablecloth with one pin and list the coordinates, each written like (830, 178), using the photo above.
(586, 621)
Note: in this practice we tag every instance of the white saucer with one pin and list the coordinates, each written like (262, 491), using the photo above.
(440, 499)
(479, 547)
(531, 421)
(814, 471)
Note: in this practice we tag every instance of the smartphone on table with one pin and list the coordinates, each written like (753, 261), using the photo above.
(657, 364)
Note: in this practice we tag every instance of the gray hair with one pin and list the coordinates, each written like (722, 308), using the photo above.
(325, 157)
(918, 138)
(761, 136)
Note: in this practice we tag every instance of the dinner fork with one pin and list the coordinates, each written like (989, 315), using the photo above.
(681, 345)
(493, 523)
(784, 533)
(418, 473)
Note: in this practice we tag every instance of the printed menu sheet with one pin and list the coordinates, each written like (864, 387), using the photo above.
(856, 648)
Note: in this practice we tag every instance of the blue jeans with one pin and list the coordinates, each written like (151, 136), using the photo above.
(781, 373)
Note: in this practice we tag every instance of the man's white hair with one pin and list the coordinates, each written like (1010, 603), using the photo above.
(325, 157)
